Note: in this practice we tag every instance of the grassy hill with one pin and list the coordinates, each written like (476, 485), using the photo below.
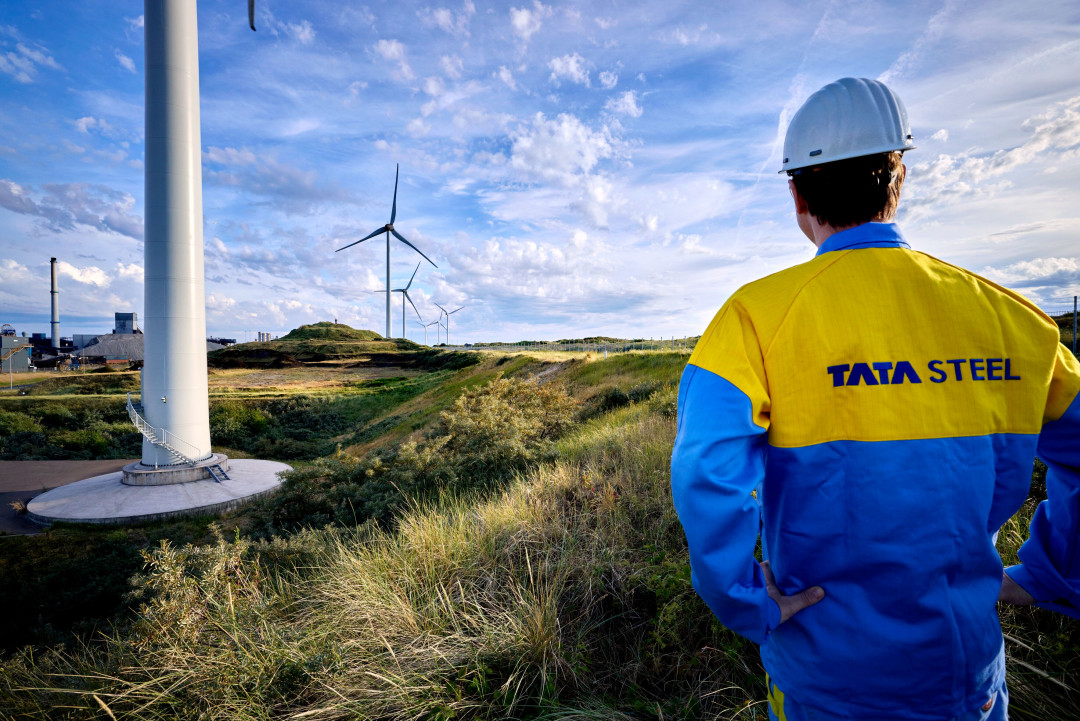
(325, 330)
(491, 541)
(315, 343)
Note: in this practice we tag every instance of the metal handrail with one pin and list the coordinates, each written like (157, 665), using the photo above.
(175, 445)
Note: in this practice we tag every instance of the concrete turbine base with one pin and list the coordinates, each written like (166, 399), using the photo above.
(138, 474)
(107, 499)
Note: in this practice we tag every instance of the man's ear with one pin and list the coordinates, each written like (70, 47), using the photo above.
(800, 205)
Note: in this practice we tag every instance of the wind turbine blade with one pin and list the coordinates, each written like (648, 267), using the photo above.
(455, 311)
(251, 13)
(370, 235)
(406, 293)
(413, 276)
(393, 210)
(400, 237)
(440, 307)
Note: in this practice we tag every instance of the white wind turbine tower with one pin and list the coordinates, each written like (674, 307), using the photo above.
(448, 314)
(425, 326)
(389, 230)
(173, 413)
(405, 296)
(437, 325)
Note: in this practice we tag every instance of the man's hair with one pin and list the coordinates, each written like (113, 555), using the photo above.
(853, 191)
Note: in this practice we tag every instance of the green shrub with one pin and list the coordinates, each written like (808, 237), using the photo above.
(233, 423)
(83, 443)
(498, 428)
(54, 415)
(490, 433)
(13, 422)
(24, 445)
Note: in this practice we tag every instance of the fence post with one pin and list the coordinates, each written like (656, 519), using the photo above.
(1074, 325)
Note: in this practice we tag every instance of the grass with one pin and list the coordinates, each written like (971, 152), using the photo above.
(563, 594)
(566, 594)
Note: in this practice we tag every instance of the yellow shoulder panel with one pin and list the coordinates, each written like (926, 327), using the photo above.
(884, 344)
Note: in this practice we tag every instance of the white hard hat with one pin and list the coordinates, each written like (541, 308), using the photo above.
(849, 118)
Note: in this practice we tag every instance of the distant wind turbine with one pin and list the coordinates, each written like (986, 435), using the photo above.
(448, 314)
(425, 326)
(405, 296)
(433, 323)
(389, 230)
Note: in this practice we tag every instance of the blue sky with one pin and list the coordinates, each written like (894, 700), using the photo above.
(574, 168)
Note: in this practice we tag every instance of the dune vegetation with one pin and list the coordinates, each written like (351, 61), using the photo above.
(491, 541)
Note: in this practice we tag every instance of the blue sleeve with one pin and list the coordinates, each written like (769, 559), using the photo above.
(718, 461)
(1050, 569)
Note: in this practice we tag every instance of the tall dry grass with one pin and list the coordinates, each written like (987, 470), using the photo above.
(565, 596)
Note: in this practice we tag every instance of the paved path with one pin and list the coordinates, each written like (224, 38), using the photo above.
(22, 480)
(105, 499)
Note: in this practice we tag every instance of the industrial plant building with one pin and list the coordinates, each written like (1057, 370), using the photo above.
(124, 324)
(14, 353)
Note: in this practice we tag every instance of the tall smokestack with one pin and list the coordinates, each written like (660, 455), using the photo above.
(55, 307)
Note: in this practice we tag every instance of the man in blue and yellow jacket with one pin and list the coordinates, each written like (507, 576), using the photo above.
(873, 414)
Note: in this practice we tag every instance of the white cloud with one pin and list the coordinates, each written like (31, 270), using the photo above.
(941, 135)
(527, 22)
(297, 126)
(699, 35)
(507, 77)
(1046, 280)
(935, 29)
(101, 127)
(90, 275)
(597, 200)
(452, 66)
(608, 79)
(12, 267)
(218, 303)
(291, 189)
(433, 86)
(569, 67)
(302, 31)
(561, 148)
(417, 127)
(23, 63)
(130, 271)
(394, 51)
(606, 23)
(625, 104)
(1054, 137)
(63, 206)
(455, 23)
(125, 62)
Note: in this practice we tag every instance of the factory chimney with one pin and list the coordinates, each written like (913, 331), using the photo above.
(55, 308)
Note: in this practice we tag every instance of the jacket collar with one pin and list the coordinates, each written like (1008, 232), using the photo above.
(867, 235)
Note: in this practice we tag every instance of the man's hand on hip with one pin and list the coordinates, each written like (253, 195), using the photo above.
(790, 605)
(1012, 592)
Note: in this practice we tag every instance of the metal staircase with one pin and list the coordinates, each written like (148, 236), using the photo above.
(180, 449)
(218, 473)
